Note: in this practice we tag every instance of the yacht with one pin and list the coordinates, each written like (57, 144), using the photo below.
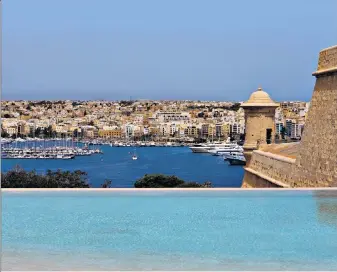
(68, 157)
(226, 149)
(206, 148)
(236, 159)
(226, 155)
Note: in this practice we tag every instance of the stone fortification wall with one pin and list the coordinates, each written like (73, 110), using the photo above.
(268, 170)
(316, 161)
(317, 158)
(252, 180)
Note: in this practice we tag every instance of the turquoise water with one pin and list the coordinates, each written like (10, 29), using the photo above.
(151, 230)
(116, 164)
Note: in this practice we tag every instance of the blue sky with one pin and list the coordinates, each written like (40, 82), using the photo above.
(167, 49)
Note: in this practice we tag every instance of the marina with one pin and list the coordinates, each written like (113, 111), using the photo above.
(57, 149)
(123, 164)
(67, 148)
(116, 164)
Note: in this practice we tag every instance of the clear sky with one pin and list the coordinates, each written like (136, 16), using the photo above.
(163, 49)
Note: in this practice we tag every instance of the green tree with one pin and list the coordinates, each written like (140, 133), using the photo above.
(4, 134)
(235, 107)
(19, 178)
(106, 184)
(48, 132)
(38, 132)
(75, 133)
(163, 181)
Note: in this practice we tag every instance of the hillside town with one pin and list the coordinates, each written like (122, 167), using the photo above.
(141, 120)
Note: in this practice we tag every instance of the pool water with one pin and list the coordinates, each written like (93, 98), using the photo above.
(169, 230)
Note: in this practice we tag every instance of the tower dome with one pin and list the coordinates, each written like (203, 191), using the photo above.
(259, 98)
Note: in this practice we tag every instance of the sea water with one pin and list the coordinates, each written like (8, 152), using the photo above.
(169, 230)
(117, 165)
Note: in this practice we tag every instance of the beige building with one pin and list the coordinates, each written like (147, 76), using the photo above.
(110, 132)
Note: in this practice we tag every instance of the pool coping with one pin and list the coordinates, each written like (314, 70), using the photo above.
(162, 189)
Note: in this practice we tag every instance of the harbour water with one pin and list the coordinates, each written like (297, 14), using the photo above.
(169, 230)
(116, 164)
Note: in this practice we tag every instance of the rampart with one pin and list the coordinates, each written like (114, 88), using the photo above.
(315, 163)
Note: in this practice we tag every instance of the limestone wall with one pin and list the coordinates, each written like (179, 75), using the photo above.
(316, 161)
(257, 121)
(251, 180)
(273, 169)
(317, 158)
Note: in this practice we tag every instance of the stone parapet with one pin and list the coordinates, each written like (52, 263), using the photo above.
(273, 168)
(327, 60)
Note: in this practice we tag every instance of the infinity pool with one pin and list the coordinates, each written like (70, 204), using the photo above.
(169, 230)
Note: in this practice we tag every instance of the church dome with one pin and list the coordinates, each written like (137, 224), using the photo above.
(259, 98)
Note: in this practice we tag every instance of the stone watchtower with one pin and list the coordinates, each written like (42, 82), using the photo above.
(260, 121)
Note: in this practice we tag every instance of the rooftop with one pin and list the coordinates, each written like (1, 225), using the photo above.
(288, 150)
(259, 98)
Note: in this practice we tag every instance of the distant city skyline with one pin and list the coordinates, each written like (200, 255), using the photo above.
(189, 50)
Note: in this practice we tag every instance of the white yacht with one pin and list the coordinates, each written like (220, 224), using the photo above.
(199, 148)
(212, 147)
(236, 159)
(226, 155)
(226, 149)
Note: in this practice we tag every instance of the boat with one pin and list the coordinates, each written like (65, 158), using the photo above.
(67, 157)
(226, 149)
(134, 156)
(199, 148)
(225, 156)
(206, 148)
(236, 159)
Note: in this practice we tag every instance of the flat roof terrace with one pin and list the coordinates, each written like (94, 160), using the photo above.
(289, 150)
